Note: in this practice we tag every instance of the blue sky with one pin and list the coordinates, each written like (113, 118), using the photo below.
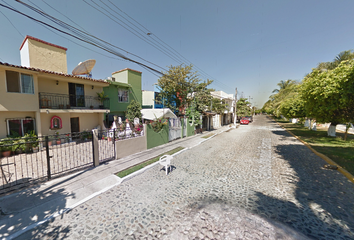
(251, 45)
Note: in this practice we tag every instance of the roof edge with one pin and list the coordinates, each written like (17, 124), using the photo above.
(53, 73)
(41, 41)
(127, 69)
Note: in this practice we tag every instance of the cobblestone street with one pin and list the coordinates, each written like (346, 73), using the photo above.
(253, 182)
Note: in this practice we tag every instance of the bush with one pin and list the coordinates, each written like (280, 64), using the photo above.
(158, 124)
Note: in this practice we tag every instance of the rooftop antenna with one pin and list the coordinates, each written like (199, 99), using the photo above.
(84, 68)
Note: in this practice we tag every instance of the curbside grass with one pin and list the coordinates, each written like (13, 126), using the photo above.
(334, 151)
(137, 167)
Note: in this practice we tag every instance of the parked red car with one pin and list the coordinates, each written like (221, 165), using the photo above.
(244, 121)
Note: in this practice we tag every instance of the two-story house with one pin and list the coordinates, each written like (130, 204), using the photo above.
(40, 95)
(227, 116)
(124, 86)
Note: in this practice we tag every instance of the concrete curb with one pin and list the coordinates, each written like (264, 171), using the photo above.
(121, 180)
(324, 157)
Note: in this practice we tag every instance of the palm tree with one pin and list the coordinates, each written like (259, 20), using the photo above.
(283, 85)
(342, 56)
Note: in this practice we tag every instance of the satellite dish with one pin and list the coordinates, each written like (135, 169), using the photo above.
(84, 68)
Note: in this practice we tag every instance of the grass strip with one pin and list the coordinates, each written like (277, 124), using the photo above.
(146, 163)
(209, 135)
(340, 151)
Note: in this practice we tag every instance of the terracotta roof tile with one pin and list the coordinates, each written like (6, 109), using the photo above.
(54, 73)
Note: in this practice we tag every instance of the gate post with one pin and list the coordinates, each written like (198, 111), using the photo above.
(114, 143)
(48, 157)
(95, 148)
(182, 124)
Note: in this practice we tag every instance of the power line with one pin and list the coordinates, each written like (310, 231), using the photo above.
(70, 39)
(76, 37)
(137, 34)
(203, 73)
(61, 14)
(85, 35)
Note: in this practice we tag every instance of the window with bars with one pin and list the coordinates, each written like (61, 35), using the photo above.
(123, 95)
(19, 83)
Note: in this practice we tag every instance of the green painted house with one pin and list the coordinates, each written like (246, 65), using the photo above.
(125, 85)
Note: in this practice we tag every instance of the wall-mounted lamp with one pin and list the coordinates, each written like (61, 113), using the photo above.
(47, 111)
(57, 82)
(92, 86)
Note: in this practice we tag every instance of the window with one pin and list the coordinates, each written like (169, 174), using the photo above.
(77, 95)
(19, 82)
(123, 95)
(19, 127)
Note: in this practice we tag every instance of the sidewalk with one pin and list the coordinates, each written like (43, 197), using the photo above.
(31, 207)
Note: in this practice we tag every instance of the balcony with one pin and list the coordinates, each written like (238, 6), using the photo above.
(68, 101)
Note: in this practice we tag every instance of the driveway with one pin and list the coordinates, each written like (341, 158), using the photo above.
(253, 182)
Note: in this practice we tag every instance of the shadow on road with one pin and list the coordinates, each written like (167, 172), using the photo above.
(322, 207)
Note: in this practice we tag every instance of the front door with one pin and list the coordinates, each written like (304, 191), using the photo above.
(74, 123)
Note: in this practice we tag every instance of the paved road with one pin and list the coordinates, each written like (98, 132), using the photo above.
(254, 182)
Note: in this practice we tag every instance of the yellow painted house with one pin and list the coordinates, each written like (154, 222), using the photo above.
(40, 95)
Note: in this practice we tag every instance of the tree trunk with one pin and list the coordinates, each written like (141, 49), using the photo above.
(314, 126)
(332, 130)
(346, 131)
(307, 123)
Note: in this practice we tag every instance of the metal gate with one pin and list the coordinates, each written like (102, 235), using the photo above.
(184, 127)
(106, 145)
(36, 159)
(175, 129)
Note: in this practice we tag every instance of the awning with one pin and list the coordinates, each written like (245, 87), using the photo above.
(152, 114)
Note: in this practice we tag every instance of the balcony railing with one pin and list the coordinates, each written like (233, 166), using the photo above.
(70, 101)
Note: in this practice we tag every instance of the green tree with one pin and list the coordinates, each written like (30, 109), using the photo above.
(286, 90)
(342, 56)
(243, 107)
(133, 111)
(329, 95)
(283, 85)
(293, 107)
(218, 105)
(180, 85)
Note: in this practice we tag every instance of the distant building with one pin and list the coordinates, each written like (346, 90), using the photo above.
(124, 86)
(227, 116)
(151, 99)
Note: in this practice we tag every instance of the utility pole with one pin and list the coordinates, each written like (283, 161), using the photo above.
(235, 115)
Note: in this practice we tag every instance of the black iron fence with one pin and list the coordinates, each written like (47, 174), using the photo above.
(28, 160)
(25, 161)
(68, 101)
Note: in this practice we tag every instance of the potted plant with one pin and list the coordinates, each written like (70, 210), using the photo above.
(101, 97)
(67, 137)
(19, 146)
(6, 147)
(57, 138)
